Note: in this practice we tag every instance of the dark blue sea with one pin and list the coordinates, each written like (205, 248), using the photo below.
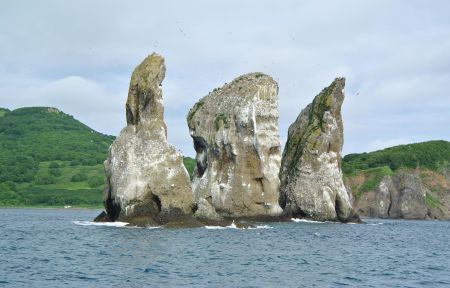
(62, 248)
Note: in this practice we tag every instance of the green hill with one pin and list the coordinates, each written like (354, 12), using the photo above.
(430, 161)
(48, 158)
(431, 155)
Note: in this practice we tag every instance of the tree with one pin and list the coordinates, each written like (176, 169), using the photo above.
(79, 177)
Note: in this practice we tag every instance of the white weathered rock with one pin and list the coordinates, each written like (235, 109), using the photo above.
(235, 133)
(147, 183)
(311, 176)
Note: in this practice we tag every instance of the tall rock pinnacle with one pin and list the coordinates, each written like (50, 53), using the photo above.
(235, 133)
(146, 183)
(311, 176)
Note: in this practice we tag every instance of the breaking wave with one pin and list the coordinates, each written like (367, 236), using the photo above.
(233, 226)
(298, 220)
(107, 224)
(110, 224)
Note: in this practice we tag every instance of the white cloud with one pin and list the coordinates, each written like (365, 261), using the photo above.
(85, 99)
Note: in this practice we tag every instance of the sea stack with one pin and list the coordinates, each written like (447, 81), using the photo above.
(311, 176)
(235, 134)
(146, 181)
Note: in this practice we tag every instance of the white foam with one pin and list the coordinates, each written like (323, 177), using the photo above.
(261, 227)
(297, 220)
(233, 226)
(375, 224)
(108, 224)
(215, 227)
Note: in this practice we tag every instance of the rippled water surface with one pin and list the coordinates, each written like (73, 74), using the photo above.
(61, 248)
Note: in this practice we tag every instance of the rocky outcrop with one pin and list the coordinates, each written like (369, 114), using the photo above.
(311, 176)
(146, 182)
(235, 134)
(404, 194)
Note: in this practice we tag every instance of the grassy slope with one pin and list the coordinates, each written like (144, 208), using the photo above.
(41, 149)
(3, 112)
(432, 155)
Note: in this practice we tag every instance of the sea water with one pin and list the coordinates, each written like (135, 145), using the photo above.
(63, 248)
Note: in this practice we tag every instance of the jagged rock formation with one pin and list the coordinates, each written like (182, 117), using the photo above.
(311, 177)
(146, 183)
(400, 196)
(405, 194)
(235, 133)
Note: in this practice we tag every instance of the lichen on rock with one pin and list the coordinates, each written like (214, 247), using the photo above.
(146, 181)
(235, 134)
(311, 178)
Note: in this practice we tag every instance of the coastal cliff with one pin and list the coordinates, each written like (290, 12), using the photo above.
(403, 182)
(406, 194)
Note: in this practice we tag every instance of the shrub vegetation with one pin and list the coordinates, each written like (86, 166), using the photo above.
(42, 150)
(433, 155)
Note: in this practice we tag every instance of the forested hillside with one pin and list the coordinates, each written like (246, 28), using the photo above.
(48, 158)
(431, 155)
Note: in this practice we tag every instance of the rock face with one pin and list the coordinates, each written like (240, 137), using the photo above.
(407, 194)
(146, 183)
(311, 176)
(235, 133)
(408, 199)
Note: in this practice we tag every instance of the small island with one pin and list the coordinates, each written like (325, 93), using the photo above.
(240, 174)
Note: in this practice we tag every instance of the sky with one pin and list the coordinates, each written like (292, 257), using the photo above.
(78, 56)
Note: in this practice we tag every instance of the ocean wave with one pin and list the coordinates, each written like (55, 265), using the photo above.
(216, 227)
(261, 227)
(107, 224)
(110, 224)
(298, 220)
(233, 226)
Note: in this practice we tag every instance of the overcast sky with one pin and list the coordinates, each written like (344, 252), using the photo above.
(78, 56)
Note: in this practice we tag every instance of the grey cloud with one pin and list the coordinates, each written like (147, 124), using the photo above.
(79, 56)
